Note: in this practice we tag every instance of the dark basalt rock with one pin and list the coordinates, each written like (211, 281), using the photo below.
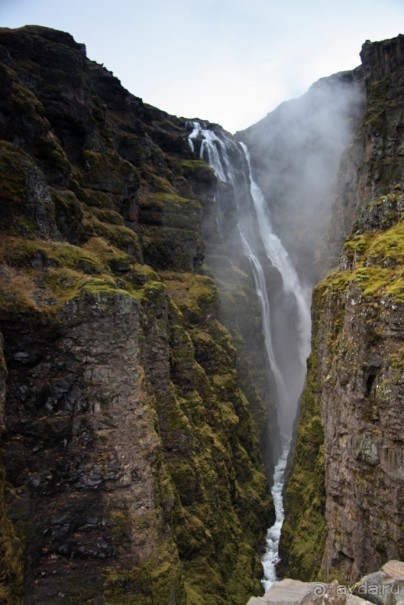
(129, 463)
(344, 491)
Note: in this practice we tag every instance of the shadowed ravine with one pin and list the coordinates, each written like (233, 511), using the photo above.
(261, 246)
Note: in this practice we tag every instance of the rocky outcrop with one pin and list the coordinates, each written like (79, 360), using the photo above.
(130, 466)
(343, 497)
(381, 587)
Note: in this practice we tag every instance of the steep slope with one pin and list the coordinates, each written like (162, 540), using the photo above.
(344, 495)
(130, 470)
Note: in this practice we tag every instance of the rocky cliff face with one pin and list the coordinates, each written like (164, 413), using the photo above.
(130, 417)
(344, 493)
(130, 470)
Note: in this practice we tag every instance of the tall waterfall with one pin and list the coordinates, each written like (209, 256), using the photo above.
(278, 256)
(286, 324)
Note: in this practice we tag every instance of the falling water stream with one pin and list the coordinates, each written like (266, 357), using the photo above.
(256, 234)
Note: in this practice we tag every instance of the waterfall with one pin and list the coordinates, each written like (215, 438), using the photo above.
(271, 555)
(215, 152)
(262, 293)
(287, 360)
(279, 257)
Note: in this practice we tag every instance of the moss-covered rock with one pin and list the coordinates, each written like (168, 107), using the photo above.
(11, 555)
(26, 205)
(340, 485)
(304, 529)
(349, 411)
(129, 455)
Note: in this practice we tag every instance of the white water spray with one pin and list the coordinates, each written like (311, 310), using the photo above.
(218, 152)
(261, 290)
(279, 257)
(289, 391)
(271, 555)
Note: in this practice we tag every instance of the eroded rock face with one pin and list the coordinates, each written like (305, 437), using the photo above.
(130, 469)
(363, 438)
(343, 511)
(87, 434)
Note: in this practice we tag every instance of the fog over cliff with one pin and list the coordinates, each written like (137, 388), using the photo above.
(296, 152)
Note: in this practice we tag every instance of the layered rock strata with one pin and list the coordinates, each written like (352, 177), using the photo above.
(343, 500)
(130, 466)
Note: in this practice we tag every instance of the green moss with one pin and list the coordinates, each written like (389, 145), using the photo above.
(304, 530)
(170, 210)
(101, 286)
(50, 152)
(16, 294)
(14, 166)
(218, 500)
(375, 117)
(41, 275)
(388, 246)
(203, 580)
(107, 215)
(64, 284)
(171, 199)
(195, 295)
(105, 252)
(108, 171)
(25, 101)
(118, 525)
(20, 252)
(191, 535)
(358, 244)
(193, 165)
(96, 199)
(11, 555)
(153, 294)
(378, 270)
(118, 235)
(155, 182)
(152, 580)
(68, 212)
(373, 281)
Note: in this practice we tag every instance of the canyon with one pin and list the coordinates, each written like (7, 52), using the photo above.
(139, 408)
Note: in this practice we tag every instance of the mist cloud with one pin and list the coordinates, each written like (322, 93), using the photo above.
(296, 152)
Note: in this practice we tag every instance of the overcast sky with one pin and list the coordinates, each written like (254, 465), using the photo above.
(228, 61)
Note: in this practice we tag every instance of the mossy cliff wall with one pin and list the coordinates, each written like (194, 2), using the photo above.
(343, 501)
(130, 468)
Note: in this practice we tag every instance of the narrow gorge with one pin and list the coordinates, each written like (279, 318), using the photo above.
(156, 280)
